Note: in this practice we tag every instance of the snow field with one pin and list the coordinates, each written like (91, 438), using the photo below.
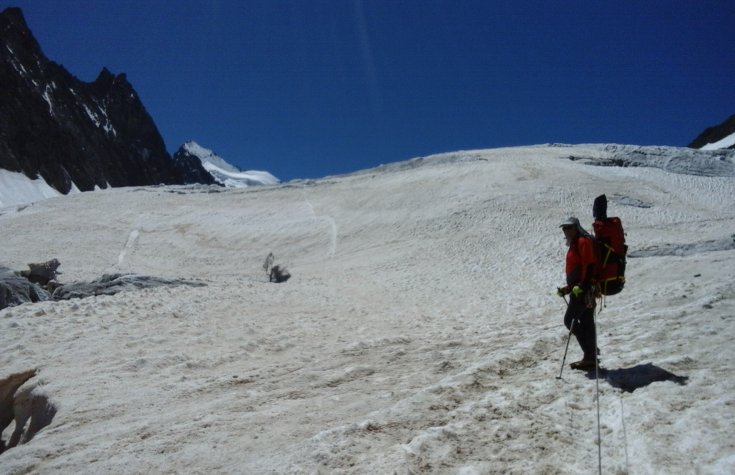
(420, 332)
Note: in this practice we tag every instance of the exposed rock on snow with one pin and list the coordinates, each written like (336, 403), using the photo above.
(15, 290)
(276, 273)
(711, 245)
(110, 284)
(671, 159)
(41, 273)
(37, 284)
(628, 201)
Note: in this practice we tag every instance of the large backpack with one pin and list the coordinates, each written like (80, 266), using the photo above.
(611, 249)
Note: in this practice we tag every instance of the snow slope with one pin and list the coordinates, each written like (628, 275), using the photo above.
(420, 332)
(18, 189)
(725, 142)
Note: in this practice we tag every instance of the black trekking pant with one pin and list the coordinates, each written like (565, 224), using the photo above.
(584, 326)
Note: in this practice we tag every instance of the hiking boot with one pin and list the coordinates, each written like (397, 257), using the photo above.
(584, 365)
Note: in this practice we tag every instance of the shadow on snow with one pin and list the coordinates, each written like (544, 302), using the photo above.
(636, 377)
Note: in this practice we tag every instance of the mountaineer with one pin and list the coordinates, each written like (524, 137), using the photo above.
(580, 272)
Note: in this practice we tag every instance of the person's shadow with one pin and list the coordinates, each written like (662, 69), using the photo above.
(639, 376)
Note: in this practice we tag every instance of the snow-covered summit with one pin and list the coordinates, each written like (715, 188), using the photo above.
(225, 173)
(727, 142)
(717, 137)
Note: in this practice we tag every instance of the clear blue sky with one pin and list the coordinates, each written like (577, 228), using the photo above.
(308, 88)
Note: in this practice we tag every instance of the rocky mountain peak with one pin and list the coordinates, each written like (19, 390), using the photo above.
(105, 79)
(223, 172)
(74, 133)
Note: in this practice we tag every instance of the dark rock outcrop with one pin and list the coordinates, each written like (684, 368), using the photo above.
(39, 284)
(279, 274)
(42, 273)
(15, 290)
(110, 284)
(68, 131)
(715, 134)
(276, 273)
(191, 165)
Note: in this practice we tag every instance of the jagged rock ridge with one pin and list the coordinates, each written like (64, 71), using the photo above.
(71, 132)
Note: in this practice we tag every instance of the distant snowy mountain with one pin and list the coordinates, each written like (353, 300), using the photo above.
(223, 172)
(203, 165)
(727, 142)
(717, 137)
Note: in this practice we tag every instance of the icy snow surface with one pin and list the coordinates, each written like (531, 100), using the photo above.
(420, 332)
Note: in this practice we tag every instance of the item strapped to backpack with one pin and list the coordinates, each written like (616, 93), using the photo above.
(611, 249)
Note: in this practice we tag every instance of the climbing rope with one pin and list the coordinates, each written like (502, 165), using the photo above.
(597, 384)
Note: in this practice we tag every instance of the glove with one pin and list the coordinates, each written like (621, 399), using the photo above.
(562, 291)
(577, 291)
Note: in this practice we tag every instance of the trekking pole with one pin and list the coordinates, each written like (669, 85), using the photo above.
(569, 337)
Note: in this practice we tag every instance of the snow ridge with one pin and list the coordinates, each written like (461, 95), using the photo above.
(225, 173)
(725, 142)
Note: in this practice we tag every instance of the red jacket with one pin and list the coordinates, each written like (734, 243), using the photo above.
(580, 262)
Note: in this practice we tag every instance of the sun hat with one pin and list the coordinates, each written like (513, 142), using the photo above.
(571, 221)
